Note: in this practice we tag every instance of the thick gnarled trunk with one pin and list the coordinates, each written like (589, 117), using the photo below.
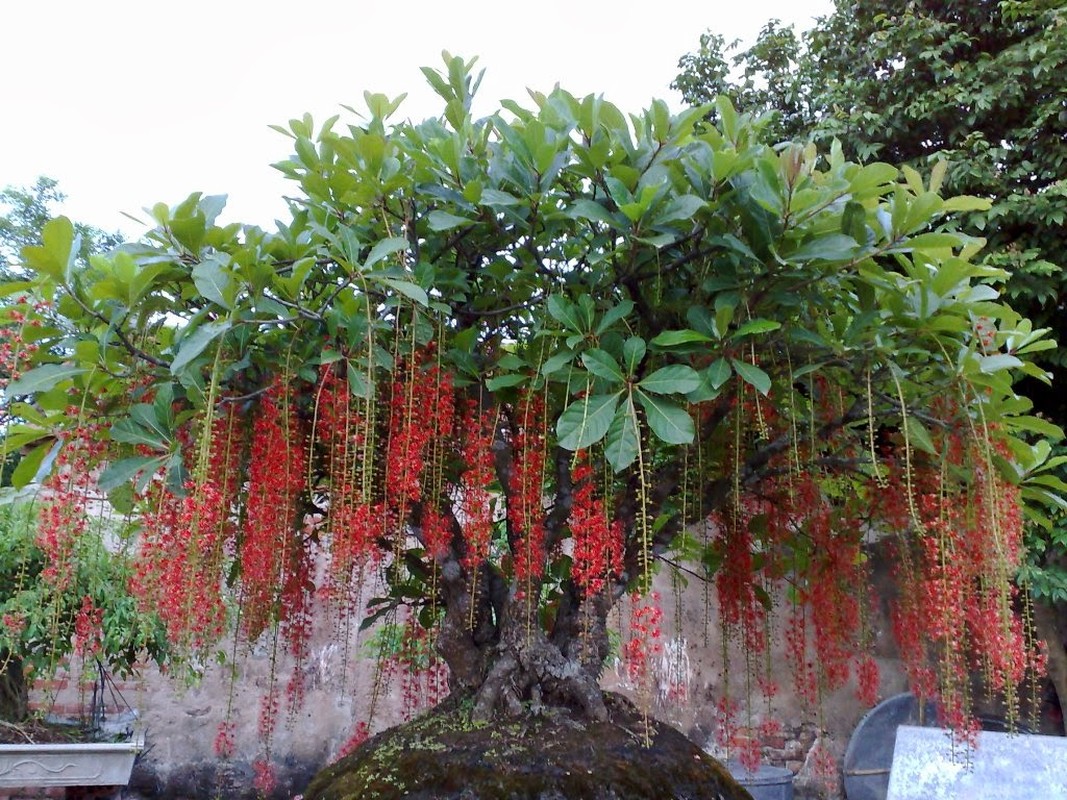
(499, 654)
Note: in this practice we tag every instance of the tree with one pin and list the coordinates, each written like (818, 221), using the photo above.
(46, 605)
(974, 84)
(28, 210)
(514, 365)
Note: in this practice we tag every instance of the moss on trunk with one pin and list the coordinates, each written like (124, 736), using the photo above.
(447, 755)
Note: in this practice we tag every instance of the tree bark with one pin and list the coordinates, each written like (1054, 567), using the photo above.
(14, 694)
(1049, 623)
(529, 672)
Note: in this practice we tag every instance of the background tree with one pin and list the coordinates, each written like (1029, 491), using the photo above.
(977, 84)
(24, 211)
(512, 365)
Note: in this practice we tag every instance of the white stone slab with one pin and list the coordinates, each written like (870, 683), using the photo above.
(88, 764)
(926, 766)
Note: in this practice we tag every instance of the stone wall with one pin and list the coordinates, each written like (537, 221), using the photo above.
(182, 722)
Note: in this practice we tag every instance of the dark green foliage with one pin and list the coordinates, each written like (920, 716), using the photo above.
(978, 84)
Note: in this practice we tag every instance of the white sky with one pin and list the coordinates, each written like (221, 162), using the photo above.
(132, 102)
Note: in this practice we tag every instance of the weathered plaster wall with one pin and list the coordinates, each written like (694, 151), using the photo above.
(182, 722)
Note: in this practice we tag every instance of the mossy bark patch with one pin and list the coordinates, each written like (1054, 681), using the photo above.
(445, 756)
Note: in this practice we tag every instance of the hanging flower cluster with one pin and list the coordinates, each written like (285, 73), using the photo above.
(955, 577)
(343, 433)
(526, 488)
(270, 543)
(420, 412)
(476, 482)
(597, 541)
(17, 341)
(184, 540)
(68, 490)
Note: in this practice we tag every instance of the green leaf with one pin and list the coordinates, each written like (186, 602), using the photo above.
(872, 177)
(756, 326)
(633, 352)
(719, 373)
(503, 381)
(998, 362)
(383, 249)
(675, 338)
(592, 210)
(357, 382)
(752, 375)
(131, 432)
(832, 247)
(18, 436)
(43, 379)
(124, 470)
(670, 422)
(194, 344)
(1038, 425)
(614, 314)
(555, 363)
(919, 436)
(621, 442)
(155, 418)
(214, 282)
(672, 379)
(54, 257)
(443, 221)
(410, 290)
(584, 422)
(565, 313)
(965, 202)
(601, 364)
(495, 198)
(33, 466)
(682, 207)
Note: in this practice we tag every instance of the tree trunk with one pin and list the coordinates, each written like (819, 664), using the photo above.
(529, 672)
(499, 654)
(1049, 621)
(14, 694)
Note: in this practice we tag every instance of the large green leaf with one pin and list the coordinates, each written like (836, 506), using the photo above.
(565, 312)
(603, 365)
(383, 249)
(37, 463)
(195, 343)
(43, 378)
(410, 290)
(131, 432)
(505, 380)
(590, 209)
(444, 221)
(121, 472)
(719, 373)
(756, 326)
(752, 375)
(832, 247)
(585, 421)
(672, 379)
(614, 314)
(214, 282)
(675, 338)
(55, 255)
(669, 421)
(622, 440)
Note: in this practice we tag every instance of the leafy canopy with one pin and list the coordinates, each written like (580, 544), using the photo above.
(973, 90)
(689, 310)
